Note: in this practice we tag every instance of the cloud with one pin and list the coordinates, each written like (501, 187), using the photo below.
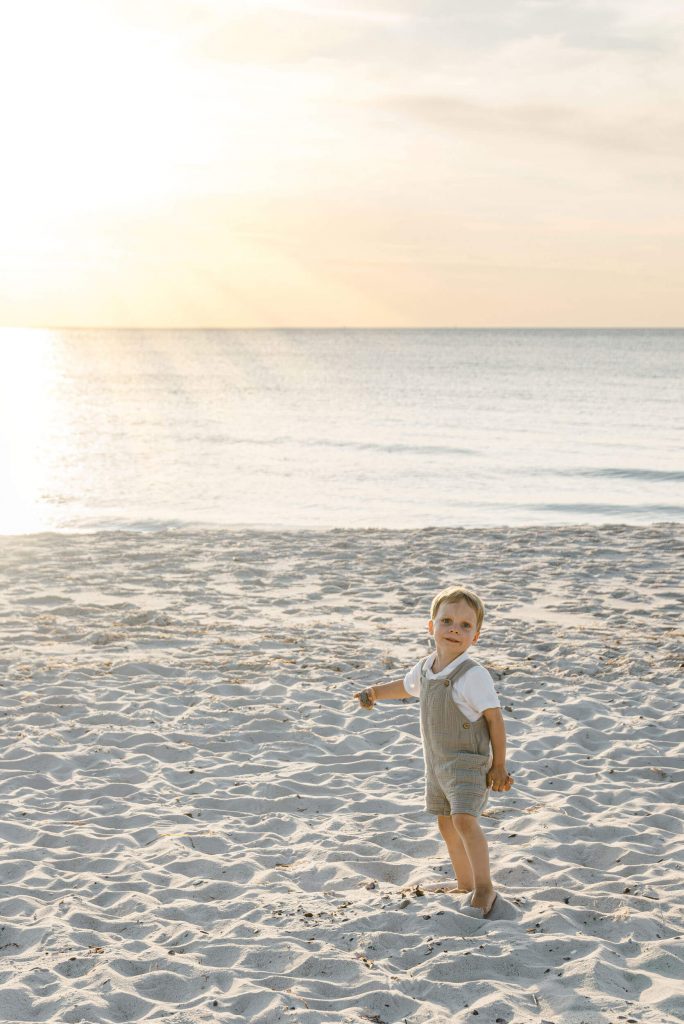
(648, 135)
(415, 146)
(419, 33)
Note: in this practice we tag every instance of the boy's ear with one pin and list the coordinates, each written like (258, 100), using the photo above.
(431, 627)
(475, 638)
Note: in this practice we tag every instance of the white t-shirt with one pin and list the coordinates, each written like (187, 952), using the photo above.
(473, 693)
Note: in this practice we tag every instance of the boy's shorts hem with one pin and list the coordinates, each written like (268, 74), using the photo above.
(469, 803)
(448, 813)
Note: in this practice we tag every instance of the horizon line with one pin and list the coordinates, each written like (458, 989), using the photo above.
(347, 327)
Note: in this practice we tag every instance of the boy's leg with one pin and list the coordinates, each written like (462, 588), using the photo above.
(457, 853)
(475, 844)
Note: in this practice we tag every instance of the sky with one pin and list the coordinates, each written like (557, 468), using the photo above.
(342, 163)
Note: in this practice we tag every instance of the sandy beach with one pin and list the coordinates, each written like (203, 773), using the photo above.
(198, 825)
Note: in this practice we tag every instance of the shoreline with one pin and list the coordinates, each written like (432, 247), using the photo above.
(203, 528)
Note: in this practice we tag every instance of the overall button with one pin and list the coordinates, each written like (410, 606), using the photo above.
(446, 682)
(466, 725)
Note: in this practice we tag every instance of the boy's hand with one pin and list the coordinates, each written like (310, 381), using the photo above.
(499, 780)
(366, 698)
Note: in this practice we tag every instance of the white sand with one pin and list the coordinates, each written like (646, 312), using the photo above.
(197, 825)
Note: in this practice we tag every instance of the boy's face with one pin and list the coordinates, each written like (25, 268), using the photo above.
(454, 629)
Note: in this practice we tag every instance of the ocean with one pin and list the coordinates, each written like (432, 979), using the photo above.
(148, 429)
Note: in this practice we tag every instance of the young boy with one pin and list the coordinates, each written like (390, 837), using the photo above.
(463, 733)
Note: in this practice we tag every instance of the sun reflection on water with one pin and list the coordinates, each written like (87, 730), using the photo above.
(30, 422)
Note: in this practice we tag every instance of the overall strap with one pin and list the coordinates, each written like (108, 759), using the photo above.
(460, 670)
(423, 669)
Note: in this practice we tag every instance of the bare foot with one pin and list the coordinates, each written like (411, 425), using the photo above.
(483, 899)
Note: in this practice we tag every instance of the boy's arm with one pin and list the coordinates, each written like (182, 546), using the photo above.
(391, 691)
(497, 735)
(497, 775)
(382, 691)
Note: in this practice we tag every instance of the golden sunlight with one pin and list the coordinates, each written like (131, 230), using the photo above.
(28, 423)
(92, 126)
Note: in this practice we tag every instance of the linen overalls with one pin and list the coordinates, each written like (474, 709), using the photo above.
(457, 751)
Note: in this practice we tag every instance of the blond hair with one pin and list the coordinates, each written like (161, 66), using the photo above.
(457, 593)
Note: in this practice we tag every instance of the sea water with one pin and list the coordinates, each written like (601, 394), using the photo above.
(339, 428)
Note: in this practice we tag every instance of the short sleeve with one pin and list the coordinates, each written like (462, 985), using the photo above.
(412, 680)
(477, 690)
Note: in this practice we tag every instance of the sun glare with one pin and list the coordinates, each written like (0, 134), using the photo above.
(28, 421)
(92, 124)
